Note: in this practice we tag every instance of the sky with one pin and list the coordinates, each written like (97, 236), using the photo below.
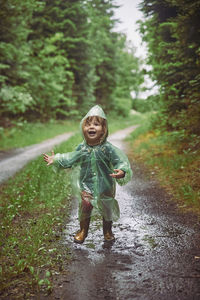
(128, 13)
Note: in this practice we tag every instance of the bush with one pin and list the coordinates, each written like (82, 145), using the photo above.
(122, 106)
(152, 103)
(15, 100)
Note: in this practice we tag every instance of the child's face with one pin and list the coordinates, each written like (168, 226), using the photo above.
(93, 132)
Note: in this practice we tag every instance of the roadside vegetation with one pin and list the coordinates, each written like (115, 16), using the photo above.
(173, 158)
(34, 205)
(22, 133)
(169, 141)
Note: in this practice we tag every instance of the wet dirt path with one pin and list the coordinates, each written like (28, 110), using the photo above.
(14, 160)
(156, 253)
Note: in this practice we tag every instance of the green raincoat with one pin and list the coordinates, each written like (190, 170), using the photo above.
(92, 166)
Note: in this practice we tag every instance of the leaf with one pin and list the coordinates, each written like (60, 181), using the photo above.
(41, 282)
(48, 274)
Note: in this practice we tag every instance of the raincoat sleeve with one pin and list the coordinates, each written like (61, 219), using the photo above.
(67, 160)
(119, 160)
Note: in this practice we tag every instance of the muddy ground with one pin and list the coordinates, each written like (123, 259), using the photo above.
(156, 254)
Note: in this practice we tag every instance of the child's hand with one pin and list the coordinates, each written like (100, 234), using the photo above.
(119, 174)
(49, 158)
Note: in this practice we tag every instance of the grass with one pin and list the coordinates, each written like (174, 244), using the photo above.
(118, 123)
(34, 208)
(173, 160)
(23, 134)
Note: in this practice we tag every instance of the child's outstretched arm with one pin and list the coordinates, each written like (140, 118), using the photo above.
(49, 158)
(118, 174)
(119, 161)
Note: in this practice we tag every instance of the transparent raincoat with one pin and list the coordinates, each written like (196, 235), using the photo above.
(91, 180)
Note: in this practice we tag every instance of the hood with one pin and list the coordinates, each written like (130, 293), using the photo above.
(95, 111)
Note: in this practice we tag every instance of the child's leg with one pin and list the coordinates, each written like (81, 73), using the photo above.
(107, 230)
(107, 215)
(85, 212)
(86, 206)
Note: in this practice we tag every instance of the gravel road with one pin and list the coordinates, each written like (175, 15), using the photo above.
(14, 160)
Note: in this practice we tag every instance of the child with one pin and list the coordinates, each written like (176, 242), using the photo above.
(100, 165)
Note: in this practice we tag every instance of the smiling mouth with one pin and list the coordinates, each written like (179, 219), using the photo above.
(91, 133)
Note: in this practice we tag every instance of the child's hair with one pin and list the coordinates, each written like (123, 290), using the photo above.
(100, 120)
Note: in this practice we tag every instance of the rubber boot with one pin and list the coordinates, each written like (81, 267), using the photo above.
(82, 233)
(107, 231)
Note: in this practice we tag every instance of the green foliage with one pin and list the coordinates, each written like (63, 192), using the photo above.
(15, 99)
(57, 58)
(152, 103)
(14, 55)
(129, 77)
(54, 87)
(22, 133)
(122, 106)
(34, 207)
(173, 157)
(145, 125)
(170, 30)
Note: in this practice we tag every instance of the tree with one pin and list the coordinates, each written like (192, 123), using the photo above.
(129, 76)
(171, 31)
(60, 57)
(14, 56)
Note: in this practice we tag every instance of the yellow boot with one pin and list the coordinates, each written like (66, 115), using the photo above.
(107, 231)
(82, 233)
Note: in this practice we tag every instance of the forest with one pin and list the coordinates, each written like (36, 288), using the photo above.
(171, 30)
(57, 58)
